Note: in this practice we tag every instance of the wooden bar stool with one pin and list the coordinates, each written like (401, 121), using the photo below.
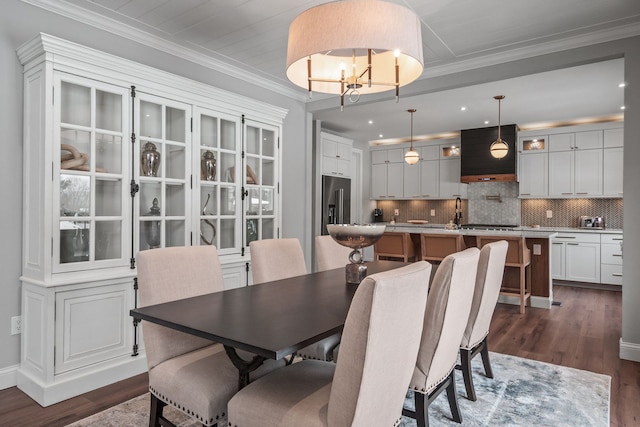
(394, 245)
(518, 258)
(436, 246)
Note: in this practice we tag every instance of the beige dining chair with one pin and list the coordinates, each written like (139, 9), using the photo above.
(275, 259)
(331, 254)
(445, 320)
(368, 384)
(192, 374)
(485, 297)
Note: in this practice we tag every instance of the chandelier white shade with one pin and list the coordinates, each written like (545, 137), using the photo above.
(411, 157)
(499, 149)
(366, 46)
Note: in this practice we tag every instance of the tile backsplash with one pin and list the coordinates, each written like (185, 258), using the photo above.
(498, 203)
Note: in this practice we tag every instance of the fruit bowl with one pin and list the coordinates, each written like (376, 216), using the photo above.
(356, 237)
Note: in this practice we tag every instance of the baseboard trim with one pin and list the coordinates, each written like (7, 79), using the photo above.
(537, 302)
(629, 351)
(49, 393)
(9, 377)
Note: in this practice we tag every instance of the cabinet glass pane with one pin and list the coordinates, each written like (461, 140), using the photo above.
(253, 171)
(108, 197)
(209, 131)
(75, 104)
(108, 111)
(227, 233)
(175, 200)
(175, 163)
(253, 140)
(208, 200)
(227, 135)
(268, 172)
(108, 240)
(150, 120)
(451, 151)
(108, 153)
(75, 147)
(268, 229)
(227, 165)
(227, 201)
(533, 144)
(176, 130)
(148, 192)
(74, 241)
(268, 143)
(208, 231)
(175, 233)
(253, 201)
(150, 234)
(75, 195)
(267, 201)
(252, 230)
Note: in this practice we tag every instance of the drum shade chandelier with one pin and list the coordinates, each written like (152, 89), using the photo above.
(499, 148)
(355, 47)
(412, 155)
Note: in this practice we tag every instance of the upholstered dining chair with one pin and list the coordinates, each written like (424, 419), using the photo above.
(445, 320)
(330, 254)
(485, 297)
(189, 373)
(367, 386)
(274, 259)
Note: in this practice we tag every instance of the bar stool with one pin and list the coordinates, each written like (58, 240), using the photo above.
(436, 247)
(394, 245)
(518, 257)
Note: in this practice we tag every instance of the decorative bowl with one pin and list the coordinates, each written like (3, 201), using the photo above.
(356, 236)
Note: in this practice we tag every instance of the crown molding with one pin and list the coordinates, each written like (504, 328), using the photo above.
(110, 25)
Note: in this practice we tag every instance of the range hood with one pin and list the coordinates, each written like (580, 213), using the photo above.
(477, 164)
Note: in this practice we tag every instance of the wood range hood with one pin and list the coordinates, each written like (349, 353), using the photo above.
(477, 164)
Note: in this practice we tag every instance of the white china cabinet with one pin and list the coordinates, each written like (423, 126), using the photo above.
(118, 158)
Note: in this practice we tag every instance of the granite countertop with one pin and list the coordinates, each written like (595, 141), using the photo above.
(525, 231)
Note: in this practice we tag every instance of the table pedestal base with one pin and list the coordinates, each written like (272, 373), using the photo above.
(355, 273)
(245, 367)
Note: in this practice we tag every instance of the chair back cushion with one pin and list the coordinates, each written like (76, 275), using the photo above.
(168, 274)
(379, 346)
(331, 254)
(445, 319)
(485, 295)
(275, 259)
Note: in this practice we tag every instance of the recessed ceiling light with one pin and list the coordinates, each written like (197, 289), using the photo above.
(622, 108)
(370, 122)
(486, 122)
(380, 136)
(463, 108)
(623, 84)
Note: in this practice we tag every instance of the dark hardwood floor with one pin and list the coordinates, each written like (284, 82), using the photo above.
(582, 333)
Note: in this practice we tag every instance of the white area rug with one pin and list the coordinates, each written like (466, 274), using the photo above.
(523, 393)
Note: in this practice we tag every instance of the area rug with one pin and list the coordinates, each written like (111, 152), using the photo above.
(523, 393)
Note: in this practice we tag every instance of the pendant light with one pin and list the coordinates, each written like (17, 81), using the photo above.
(411, 156)
(499, 149)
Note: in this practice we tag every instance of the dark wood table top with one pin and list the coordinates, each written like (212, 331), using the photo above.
(273, 319)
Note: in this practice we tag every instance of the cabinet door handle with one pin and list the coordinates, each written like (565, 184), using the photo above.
(617, 254)
(566, 193)
(616, 238)
(566, 237)
(525, 194)
(582, 193)
(573, 244)
(616, 274)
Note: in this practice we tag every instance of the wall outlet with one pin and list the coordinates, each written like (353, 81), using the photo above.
(396, 212)
(433, 212)
(549, 214)
(537, 249)
(16, 325)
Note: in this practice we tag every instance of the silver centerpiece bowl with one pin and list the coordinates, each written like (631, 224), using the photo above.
(356, 237)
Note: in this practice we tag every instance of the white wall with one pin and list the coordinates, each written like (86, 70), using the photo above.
(20, 22)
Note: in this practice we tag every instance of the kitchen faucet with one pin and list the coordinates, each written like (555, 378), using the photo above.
(457, 219)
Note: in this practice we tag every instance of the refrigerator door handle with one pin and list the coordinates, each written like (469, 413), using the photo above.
(340, 206)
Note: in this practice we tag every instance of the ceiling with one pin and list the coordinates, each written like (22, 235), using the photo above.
(250, 36)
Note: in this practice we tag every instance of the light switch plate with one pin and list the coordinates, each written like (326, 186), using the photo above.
(549, 214)
(433, 212)
(537, 249)
(396, 212)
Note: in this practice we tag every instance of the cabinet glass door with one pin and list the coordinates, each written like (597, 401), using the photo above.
(261, 147)
(218, 163)
(163, 167)
(91, 201)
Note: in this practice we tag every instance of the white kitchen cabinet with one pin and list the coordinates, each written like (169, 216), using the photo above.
(611, 259)
(576, 257)
(113, 169)
(612, 172)
(575, 173)
(613, 137)
(429, 179)
(411, 180)
(584, 140)
(336, 155)
(387, 174)
(533, 174)
(557, 260)
(450, 185)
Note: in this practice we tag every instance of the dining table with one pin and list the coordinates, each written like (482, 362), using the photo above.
(270, 320)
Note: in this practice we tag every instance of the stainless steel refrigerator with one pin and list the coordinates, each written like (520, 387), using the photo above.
(336, 201)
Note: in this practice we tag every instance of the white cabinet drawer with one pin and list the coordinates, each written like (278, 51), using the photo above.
(611, 254)
(611, 274)
(611, 238)
(577, 237)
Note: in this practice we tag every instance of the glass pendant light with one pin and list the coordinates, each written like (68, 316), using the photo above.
(499, 149)
(411, 156)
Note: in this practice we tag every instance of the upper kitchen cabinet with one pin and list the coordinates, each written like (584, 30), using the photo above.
(575, 164)
(387, 174)
(120, 157)
(533, 166)
(336, 155)
(450, 186)
(613, 162)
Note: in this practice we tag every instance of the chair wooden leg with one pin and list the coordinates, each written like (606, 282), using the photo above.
(452, 396)
(465, 361)
(522, 289)
(484, 353)
(155, 411)
(422, 409)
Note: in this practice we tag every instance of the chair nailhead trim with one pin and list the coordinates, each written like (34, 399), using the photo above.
(185, 410)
